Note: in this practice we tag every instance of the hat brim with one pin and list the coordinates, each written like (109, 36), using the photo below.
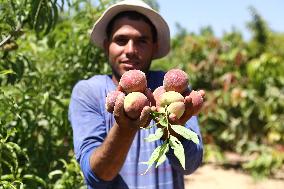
(98, 34)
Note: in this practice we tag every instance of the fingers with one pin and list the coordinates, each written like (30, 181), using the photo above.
(118, 107)
(153, 108)
(148, 93)
(188, 104)
(197, 98)
(188, 101)
(144, 119)
(202, 93)
(188, 112)
(119, 88)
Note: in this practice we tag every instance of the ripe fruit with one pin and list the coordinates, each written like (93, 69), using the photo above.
(175, 80)
(176, 108)
(134, 103)
(157, 94)
(169, 97)
(133, 81)
(110, 100)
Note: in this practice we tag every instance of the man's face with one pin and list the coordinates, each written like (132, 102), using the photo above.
(130, 46)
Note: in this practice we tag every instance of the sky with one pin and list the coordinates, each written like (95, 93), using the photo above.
(221, 15)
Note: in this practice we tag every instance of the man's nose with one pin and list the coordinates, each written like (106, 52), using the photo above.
(130, 47)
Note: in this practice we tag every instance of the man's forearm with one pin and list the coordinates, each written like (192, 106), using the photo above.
(107, 160)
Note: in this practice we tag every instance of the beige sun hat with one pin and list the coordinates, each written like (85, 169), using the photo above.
(98, 34)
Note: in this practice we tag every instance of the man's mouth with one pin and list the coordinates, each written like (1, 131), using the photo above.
(129, 66)
(132, 62)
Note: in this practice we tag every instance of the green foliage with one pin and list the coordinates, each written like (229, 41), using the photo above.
(37, 75)
(70, 177)
(153, 158)
(267, 161)
(260, 33)
(14, 161)
(178, 150)
(244, 88)
(156, 136)
(186, 133)
(158, 156)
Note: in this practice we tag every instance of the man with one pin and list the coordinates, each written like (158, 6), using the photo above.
(110, 148)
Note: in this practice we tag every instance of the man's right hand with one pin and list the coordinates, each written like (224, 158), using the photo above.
(124, 121)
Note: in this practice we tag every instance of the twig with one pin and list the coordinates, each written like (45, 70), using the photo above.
(5, 40)
(13, 33)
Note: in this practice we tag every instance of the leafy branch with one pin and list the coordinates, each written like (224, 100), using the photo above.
(158, 156)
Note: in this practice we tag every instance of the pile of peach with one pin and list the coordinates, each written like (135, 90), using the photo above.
(169, 97)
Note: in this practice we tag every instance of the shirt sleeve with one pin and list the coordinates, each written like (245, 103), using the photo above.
(193, 152)
(89, 129)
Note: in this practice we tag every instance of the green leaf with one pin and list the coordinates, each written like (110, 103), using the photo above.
(163, 121)
(154, 156)
(162, 156)
(4, 72)
(158, 134)
(178, 150)
(7, 177)
(156, 114)
(55, 172)
(34, 178)
(186, 133)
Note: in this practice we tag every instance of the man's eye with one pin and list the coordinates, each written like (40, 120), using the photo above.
(121, 41)
(142, 41)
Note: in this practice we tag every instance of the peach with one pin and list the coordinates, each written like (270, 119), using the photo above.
(157, 94)
(169, 97)
(133, 81)
(110, 100)
(134, 103)
(175, 80)
(176, 108)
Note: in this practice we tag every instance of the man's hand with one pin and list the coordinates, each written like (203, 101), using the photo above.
(118, 141)
(124, 121)
(193, 103)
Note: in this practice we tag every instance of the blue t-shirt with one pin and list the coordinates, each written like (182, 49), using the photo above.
(91, 123)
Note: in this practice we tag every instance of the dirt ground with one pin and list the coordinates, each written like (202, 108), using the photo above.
(211, 176)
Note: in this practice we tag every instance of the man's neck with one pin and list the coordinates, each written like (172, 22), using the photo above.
(115, 79)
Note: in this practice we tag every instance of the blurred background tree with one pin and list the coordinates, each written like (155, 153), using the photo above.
(244, 80)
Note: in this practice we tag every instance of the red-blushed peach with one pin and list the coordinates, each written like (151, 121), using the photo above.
(110, 100)
(169, 97)
(176, 108)
(157, 94)
(134, 103)
(175, 80)
(133, 81)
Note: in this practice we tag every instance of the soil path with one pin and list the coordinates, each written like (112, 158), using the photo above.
(210, 176)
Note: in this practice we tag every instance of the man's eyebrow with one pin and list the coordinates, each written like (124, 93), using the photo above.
(119, 35)
(144, 37)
